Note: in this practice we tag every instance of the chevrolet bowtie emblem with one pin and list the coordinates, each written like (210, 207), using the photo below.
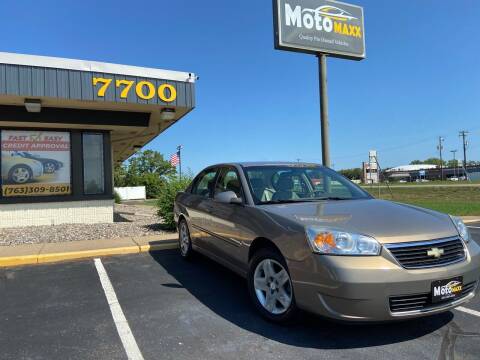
(435, 252)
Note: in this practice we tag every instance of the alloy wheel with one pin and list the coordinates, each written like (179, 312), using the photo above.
(20, 175)
(49, 168)
(184, 239)
(273, 286)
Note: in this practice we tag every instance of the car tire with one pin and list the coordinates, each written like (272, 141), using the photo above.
(184, 240)
(261, 294)
(49, 167)
(20, 174)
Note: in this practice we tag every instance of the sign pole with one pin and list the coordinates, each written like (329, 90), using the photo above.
(324, 122)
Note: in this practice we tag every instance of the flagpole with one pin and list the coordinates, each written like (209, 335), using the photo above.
(179, 153)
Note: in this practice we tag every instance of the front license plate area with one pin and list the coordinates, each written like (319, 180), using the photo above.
(447, 290)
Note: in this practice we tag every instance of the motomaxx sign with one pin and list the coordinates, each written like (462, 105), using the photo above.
(320, 26)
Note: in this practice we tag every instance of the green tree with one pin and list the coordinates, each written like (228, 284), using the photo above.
(416, 162)
(352, 174)
(452, 163)
(147, 168)
(435, 161)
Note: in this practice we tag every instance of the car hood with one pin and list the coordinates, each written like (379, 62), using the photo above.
(388, 222)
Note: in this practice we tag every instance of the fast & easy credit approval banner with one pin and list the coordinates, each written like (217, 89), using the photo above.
(35, 163)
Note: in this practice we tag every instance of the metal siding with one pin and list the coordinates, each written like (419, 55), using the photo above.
(158, 83)
(192, 95)
(188, 95)
(155, 99)
(38, 81)
(63, 90)
(75, 84)
(118, 90)
(131, 97)
(110, 93)
(3, 83)
(174, 102)
(51, 82)
(181, 94)
(95, 88)
(87, 86)
(78, 85)
(11, 78)
(25, 80)
(139, 100)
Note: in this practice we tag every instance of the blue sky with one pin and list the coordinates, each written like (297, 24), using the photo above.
(421, 78)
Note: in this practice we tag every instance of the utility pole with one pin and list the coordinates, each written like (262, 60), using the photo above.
(440, 148)
(463, 135)
(454, 152)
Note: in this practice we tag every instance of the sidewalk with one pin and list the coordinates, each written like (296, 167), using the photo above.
(54, 252)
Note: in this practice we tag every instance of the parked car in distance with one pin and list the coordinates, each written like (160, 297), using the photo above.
(307, 238)
(49, 165)
(453, 178)
(20, 170)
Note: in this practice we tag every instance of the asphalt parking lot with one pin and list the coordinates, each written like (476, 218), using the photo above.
(178, 310)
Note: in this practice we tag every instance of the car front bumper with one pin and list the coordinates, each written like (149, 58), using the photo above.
(360, 288)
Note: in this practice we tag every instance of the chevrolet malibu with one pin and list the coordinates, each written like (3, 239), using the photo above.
(307, 238)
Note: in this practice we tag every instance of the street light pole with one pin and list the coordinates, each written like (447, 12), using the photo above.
(454, 152)
(324, 123)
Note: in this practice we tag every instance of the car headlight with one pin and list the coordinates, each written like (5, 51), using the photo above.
(334, 242)
(461, 228)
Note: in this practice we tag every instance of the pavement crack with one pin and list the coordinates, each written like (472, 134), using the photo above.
(452, 332)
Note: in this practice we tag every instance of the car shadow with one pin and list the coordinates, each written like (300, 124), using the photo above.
(226, 294)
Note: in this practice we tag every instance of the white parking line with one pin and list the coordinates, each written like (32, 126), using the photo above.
(123, 329)
(468, 311)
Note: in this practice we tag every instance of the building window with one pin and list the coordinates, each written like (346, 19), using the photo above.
(93, 166)
(35, 163)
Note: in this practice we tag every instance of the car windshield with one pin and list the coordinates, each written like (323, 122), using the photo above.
(272, 184)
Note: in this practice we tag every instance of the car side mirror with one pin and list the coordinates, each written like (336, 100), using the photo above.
(228, 197)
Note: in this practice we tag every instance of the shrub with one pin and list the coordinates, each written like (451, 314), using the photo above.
(166, 199)
(117, 198)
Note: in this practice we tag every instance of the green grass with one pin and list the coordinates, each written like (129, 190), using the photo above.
(150, 202)
(452, 200)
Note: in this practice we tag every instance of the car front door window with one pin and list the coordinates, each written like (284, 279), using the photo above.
(205, 183)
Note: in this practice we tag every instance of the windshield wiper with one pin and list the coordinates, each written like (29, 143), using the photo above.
(285, 201)
(333, 198)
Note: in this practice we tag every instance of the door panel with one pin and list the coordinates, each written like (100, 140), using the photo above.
(227, 231)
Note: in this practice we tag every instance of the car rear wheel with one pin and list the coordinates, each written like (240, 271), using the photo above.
(20, 174)
(184, 239)
(49, 168)
(270, 286)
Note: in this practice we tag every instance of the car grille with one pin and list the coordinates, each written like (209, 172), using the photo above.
(423, 301)
(414, 255)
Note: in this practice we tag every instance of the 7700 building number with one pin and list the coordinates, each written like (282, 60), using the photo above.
(144, 89)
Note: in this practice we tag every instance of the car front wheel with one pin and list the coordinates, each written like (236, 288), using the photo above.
(20, 174)
(270, 286)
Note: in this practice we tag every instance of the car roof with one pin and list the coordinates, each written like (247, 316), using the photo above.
(268, 163)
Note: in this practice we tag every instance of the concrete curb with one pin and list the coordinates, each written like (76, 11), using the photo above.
(470, 219)
(58, 252)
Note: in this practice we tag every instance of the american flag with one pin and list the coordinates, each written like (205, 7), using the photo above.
(175, 159)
